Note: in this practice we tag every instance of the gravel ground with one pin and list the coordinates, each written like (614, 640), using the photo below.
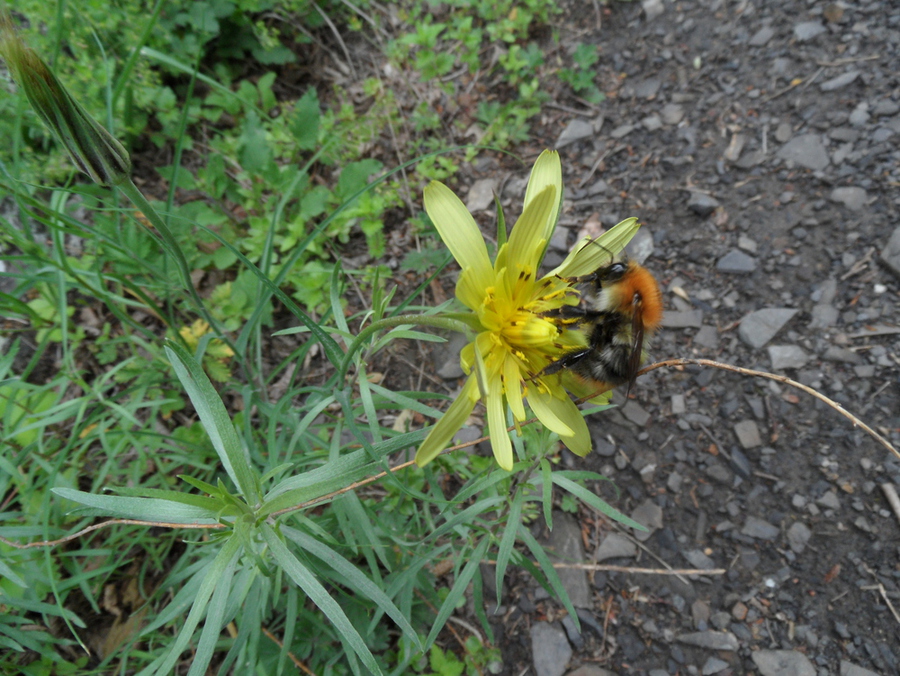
(757, 141)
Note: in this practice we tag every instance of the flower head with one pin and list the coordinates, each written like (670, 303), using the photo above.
(518, 333)
(93, 149)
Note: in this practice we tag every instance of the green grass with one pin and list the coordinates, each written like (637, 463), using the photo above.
(125, 393)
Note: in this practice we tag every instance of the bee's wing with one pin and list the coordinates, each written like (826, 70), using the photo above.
(635, 357)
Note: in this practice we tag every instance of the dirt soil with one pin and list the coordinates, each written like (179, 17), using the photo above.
(757, 141)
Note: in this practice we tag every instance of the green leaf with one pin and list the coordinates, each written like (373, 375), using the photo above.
(458, 589)
(215, 421)
(255, 153)
(508, 540)
(354, 577)
(547, 492)
(145, 509)
(305, 121)
(547, 567)
(594, 501)
(355, 176)
(304, 579)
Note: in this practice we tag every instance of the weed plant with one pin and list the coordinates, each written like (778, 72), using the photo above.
(176, 495)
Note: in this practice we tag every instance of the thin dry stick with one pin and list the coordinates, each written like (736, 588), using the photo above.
(297, 663)
(104, 524)
(880, 588)
(891, 494)
(781, 379)
(645, 571)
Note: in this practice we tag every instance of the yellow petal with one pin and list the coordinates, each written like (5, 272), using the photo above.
(469, 291)
(544, 408)
(496, 419)
(590, 254)
(567, 413)
(527, 241)
(511, 379)
(459, 231)
(442, 433)
(547, 170)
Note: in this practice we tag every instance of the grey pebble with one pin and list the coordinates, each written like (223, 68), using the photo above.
(783, 132)
(648, 514)
(720, 474)
(890, 255)
(787, 357)
(615, 546)
(683, 320)
(702, 204)
(635, 413)
(653, 8)
(808, 30)
(807, 150)
(839, 81)
(759, 529)
(823, 316)
(565, 546)
(672, 113)
(550, 648)
(621, 131)
(591, 670)
(481, 194)
(713, 666)
(572, 632)
(829, 500)
(759, 327)
(576, 130)
(698, 559)
(850, 669)
(851, 197)
(762, 36)
(707, 336)
(748, 434)
(652, 122)
(736, 262)
(783, 663)
(798, 535)
(714, 640)
(860, 115)
(886, 108)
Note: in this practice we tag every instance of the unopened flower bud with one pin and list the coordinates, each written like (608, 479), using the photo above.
(93, 149)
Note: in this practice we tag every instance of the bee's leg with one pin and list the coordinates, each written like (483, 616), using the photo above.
(568, 360)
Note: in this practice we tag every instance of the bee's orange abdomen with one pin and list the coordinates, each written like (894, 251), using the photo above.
(638, 281)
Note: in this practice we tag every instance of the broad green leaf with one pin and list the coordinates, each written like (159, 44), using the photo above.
(146, 509)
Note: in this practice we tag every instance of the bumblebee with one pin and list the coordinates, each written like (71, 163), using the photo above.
(624, 305)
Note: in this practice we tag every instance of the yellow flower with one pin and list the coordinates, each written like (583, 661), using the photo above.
(517, 334)
(93, 149)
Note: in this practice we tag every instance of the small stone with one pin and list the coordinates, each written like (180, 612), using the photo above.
(798, 535)
(850, 669)
(678, 404)
(565, 545)
(736, 262)
(860, 115)
(851, 197)
(672, 113)
(576, 130)
(550, 649)
(698, 559)
(762, 36)
(707, 336)
(739, 611)
(890, 255)
(782, 663)
(615, 546)
(714, 665)
(700, 612)
(635, 413)
(720, 474)
(808, 30)
(481, 194)
(787, 357)
(648, 514)
(652, 122)
(747, 244)
(748, 434)
(829, 500)
(702, 204)
(807, 150)
(591, 670)
(683, 320)
(886, 108)
(674, 482)
(621, 131)
(758, 328)
(714, 640)
(823, 316)
(841, 355)
(759, 529)
(839, 81)
(783, 132)
(652, 8)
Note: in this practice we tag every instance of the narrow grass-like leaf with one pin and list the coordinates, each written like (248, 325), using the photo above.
(304, 579)
(549, 571)
(594, 501)
(146, 509)
(547, 492)
(509, 538)
(211, 578)
(457, 591)
(216, 421)
(466, 516)
(355, 578)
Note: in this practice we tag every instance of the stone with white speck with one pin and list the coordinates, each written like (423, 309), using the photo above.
(829, 500)
(672, 113)
(653, 8)
(808, 30)
(736, 262)
(798, 535)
